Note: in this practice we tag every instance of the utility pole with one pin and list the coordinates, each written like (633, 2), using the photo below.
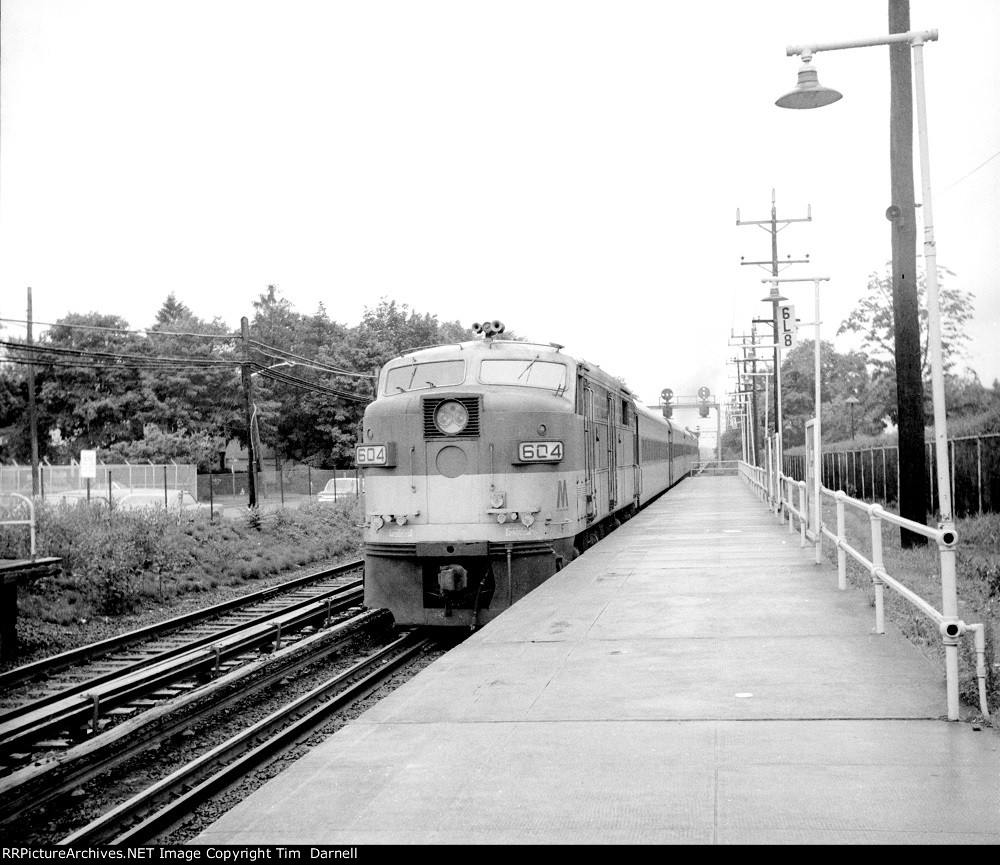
(248, 406)
(905, 305)
(32, 408)
(772, 225)
(750, 358)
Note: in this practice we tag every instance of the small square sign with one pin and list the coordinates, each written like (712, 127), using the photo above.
(88, 464)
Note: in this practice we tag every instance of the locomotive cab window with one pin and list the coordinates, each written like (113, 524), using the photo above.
(420, 376)
(545, 374)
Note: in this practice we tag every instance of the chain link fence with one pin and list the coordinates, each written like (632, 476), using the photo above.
(56, 482)
(290, 483)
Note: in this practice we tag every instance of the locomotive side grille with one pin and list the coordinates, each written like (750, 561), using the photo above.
(471, 404)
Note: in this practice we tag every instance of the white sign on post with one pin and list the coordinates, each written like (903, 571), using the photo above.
(88, 464)
(787, 328)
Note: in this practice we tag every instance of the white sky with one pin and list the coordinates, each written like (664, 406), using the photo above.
(571, 167)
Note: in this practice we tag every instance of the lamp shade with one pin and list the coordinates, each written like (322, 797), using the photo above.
(808, 93)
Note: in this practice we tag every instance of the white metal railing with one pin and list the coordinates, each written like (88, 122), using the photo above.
(793, 503)
(30, 522)
(756, 477)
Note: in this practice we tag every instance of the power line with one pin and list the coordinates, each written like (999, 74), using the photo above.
(82, 364)
(974, 170)
(77, 352)
(312, 386)
(282, 354)
(147, 332)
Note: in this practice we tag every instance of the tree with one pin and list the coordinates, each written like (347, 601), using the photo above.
(88, 386)
(200, 397)
(841, 376)
(872, 320)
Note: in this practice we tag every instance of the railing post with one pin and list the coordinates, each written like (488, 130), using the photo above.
(802, 513)
(979, 471)
(841, 540)
(877, 565)
(949, 608)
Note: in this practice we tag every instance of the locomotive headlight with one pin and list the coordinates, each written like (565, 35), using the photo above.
(451, 417)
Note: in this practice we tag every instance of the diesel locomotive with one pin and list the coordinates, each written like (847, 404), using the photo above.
(490, 464)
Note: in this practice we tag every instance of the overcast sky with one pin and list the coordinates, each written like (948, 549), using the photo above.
(571, 167)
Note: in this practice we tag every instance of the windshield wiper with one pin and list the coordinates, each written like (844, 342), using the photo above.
(527, 369)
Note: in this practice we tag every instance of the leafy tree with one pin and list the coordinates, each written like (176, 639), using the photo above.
(321, 428)
(841, 376)
(87, 385)
(160, 446)
(873, 321)
(201, 397)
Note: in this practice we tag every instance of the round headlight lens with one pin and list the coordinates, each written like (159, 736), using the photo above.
(451, 417)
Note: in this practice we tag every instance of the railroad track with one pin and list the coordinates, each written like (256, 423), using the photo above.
(25, 793)
(166, 804)
(85, 692)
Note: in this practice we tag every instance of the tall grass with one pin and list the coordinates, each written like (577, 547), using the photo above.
(918, 568)
(114, 564)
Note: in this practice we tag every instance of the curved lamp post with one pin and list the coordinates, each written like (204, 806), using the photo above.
(809, 93)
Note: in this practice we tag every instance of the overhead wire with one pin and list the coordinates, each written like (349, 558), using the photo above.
(165, 367)
(41, 354)
(146, 331)
(42, 349)
(312, 386)
(970, 173)
(283, 354)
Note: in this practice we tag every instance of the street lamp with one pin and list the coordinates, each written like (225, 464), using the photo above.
(805, 96)
(808, 93)
(852, 401)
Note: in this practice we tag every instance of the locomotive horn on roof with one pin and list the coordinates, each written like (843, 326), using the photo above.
(489, 328)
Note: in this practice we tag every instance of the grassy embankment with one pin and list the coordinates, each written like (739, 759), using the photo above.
(978, 579)
(136, 566)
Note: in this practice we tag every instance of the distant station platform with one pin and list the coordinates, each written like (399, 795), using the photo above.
(15, 572)
(694, 678)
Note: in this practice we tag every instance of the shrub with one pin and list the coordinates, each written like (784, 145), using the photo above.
(118, 562)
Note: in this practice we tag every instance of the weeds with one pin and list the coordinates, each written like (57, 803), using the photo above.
(118, 563)
(918, 568)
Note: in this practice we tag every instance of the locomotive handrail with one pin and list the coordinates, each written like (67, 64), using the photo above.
(951, 628)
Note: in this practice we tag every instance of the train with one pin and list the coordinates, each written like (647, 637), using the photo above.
(490, 464)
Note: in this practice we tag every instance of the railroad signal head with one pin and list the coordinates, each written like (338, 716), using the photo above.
(704, 392)
(666, 394)
(703, 410)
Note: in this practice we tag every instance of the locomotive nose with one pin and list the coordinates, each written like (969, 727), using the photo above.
(452, 578)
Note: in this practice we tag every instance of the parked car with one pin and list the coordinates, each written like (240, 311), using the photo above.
(337, 488)
(130, 499)
(74, 497)
(180, 500)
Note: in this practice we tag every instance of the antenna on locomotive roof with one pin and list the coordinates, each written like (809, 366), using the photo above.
(489, 329)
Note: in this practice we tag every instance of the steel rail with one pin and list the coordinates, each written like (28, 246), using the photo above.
(32, 788)
(147, 662)
(41, 668)
(26, 729)
(240, 754)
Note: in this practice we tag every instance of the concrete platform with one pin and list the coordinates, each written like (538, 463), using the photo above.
(693, 679)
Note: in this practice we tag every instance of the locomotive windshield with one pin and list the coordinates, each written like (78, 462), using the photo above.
(420, 376)
(524, 373)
